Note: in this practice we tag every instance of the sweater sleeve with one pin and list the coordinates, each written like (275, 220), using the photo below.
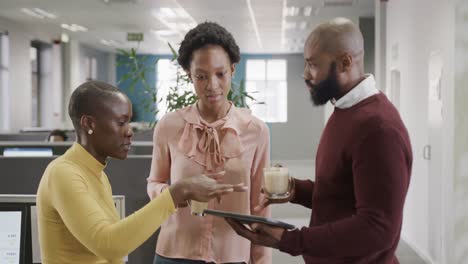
(381, 170)
(260, 254)
(160, 163)
(303, 192)
(86, 220)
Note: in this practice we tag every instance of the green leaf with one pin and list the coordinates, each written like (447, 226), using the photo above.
(139, 65)
(132, 85)
(174, 52)
(124, 78)
(123, 52)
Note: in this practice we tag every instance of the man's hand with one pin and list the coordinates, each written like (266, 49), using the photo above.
(260, 234)
(264, 201)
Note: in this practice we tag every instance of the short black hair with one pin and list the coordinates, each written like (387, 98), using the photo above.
(58, 132)
(85, 99)
(207, 33)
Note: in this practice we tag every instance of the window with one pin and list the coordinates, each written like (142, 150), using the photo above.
(267, 83)
(166, 76)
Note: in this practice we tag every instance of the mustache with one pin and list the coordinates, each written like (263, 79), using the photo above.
(309, 84)
(313, 88)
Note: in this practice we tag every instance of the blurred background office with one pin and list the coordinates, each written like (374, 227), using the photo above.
(417, 50)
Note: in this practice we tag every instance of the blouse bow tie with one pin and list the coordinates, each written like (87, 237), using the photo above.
(210, 146)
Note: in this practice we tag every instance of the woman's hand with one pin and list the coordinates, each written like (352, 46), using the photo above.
(201, 188)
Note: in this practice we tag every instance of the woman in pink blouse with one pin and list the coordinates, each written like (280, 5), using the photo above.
(210, 137)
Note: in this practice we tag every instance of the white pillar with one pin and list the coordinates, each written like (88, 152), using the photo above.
(4, 74)
(20, 91)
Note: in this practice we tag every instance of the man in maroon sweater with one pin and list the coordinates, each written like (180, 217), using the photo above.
(363, 162)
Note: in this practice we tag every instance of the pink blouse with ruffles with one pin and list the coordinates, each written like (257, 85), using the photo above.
(184, 146)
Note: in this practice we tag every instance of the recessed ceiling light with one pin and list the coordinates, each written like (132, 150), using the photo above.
(74, 27)
(111, 42)
(39, 13)
(167, 12)
(181, 13)
(45, 13)
(164, 33)
(64, 38)
(175, 19)
(31, 13)
(171, 13)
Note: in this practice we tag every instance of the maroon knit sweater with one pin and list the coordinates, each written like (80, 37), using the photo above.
(363, 168)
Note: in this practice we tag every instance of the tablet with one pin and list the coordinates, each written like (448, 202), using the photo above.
(249, 219)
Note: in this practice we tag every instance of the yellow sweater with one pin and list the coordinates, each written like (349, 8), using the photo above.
(78, 222)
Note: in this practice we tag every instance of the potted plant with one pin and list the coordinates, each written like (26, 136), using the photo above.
(138, 66)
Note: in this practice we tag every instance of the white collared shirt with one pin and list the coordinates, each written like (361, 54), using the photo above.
(363, 90)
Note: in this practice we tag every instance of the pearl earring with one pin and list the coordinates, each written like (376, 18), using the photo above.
(90, 132)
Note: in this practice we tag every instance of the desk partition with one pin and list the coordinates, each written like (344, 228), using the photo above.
(21, 176)
(32, 253)
(58, 148)
(139, 135)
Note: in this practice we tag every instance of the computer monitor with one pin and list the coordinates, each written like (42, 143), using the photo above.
(28, 152)
(13, 225)
(26, 204)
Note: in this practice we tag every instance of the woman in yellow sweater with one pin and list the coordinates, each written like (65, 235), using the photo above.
(78, 222)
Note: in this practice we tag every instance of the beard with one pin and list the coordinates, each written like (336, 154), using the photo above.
(325, 90)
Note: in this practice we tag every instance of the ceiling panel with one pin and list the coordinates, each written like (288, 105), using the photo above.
(112, 21)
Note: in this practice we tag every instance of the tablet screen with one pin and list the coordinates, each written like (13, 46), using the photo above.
(248, 219)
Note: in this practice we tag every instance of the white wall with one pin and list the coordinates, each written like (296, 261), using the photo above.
(408, 32)
(460, 212)
(298, 138)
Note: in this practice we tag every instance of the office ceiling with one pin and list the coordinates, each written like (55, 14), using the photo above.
(259, 26)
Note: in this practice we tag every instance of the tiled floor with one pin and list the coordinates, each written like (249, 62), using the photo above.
(404, 253)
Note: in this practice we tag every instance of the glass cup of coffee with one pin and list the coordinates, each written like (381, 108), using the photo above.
(276, 182)
(197, 208)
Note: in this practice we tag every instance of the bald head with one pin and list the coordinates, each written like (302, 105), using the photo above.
(334, 60)
(89, 98)
(338, 36)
